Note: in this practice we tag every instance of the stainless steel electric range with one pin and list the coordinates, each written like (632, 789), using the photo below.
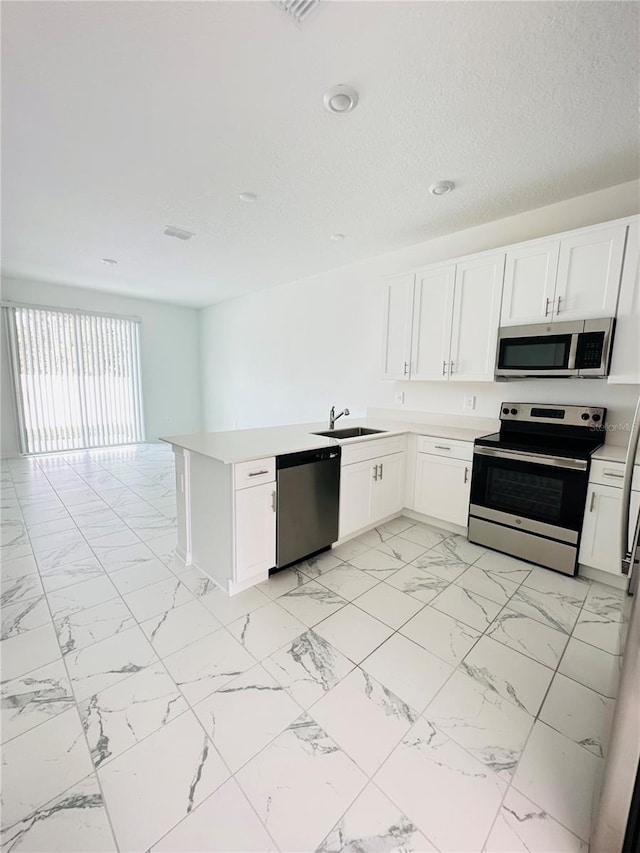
(529, 482)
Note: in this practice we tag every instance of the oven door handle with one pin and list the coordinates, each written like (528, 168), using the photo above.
(535, 458)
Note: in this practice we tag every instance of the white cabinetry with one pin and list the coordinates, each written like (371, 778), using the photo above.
(371, 483)
(387, 491)
(255, 530)
(625, 362)
(398, 309)
(575, 277)
(599, 545)
(529, 283)
(432, 313)
(226, 517)
(476, 317)
(443, 480)
(254, 527)
(456, 310)
(355, 496)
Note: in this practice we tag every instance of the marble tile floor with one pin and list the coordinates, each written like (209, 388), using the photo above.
(407, 691)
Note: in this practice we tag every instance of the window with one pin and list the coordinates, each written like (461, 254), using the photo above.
(76, 378)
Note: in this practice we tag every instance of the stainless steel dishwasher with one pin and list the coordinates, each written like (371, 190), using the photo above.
(308, 503)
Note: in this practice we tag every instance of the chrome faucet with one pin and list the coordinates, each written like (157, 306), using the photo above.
(333, 417)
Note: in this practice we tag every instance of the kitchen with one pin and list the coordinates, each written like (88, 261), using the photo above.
(359, 637)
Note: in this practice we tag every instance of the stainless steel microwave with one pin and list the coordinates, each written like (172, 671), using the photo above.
(581, 348)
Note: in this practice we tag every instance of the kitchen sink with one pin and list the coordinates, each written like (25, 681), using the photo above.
(349, 432)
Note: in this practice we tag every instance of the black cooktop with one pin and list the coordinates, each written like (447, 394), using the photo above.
(577, 448)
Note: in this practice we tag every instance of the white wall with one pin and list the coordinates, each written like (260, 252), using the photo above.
(168, 352)
(286, 354)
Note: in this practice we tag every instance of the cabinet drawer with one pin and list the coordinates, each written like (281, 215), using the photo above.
(611, 474)
(372, 449)
(445, 447)
(255, 472)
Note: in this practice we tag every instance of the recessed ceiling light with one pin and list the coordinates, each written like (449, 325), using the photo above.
(110, 262)
(336, 237)
(341, 99)
(441, 188)
(248, 197)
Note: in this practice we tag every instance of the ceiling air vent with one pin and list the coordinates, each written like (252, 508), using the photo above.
(299, 10)
(172, 231)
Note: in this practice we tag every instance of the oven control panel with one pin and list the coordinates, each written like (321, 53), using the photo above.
(587, 416)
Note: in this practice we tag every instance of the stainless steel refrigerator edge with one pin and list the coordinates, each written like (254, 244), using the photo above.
(617, 819)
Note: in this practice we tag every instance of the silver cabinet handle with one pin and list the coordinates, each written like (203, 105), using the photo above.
(273, 501)
(441, 447)
(450, 368)
(406, 368)
(546, 307)
(592, 502)
(257, 473)
(558, 308)
(444, 368)
(375, 472)
(618, 476)
(380, 470)
(466, 474)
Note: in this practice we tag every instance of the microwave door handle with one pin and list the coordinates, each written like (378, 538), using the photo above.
(626, 489)
(573, 349)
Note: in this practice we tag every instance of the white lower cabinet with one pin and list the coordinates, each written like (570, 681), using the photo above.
(255, 530)
(600, 546)
(355, 496)
(369, 491)
(442, 488)
(387, 490)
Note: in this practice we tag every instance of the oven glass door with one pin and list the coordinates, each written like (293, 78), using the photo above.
(540, 353)
(530, 490)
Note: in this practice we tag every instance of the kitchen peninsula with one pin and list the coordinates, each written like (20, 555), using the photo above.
(227, 486)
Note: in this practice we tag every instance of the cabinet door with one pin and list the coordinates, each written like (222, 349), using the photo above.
(255, 530)
(432, 312)
(355, 496)
(529, 283)
(398, 307)
(599, 546)
(625, 361)
(387, 492)
(589, 269)
(476, 317)
(442, 488)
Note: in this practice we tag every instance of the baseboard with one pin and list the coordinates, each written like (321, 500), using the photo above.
(414, 516)
(617, 581)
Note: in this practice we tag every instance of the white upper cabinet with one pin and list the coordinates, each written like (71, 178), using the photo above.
(432, 312)
(625, 363)
(398, 311)
(476, 317)
(589, 268)
(576, 277)
(529, 283)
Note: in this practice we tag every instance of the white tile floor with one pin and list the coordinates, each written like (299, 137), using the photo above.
(407, 691)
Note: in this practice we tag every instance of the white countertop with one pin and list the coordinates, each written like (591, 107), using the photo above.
(246, 444)
(613, 453)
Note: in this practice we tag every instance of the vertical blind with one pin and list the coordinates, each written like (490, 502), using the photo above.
(76, 377)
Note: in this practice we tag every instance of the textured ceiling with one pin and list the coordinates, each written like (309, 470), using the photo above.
(122, 117)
